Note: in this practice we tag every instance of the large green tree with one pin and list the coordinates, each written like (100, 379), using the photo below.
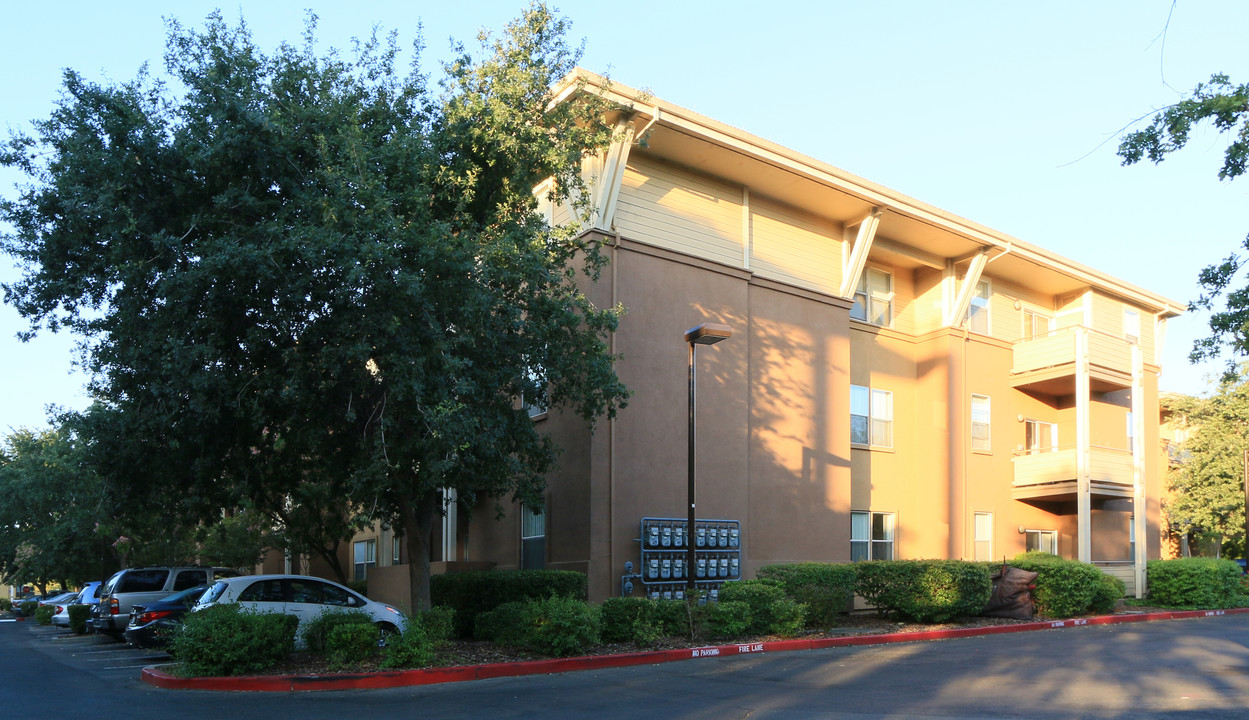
(1207, 485)
(296, 268)
(1225, 106)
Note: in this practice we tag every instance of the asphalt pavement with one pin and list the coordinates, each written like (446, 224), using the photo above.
(1190, 669)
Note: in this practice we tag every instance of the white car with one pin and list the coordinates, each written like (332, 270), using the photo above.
(299, 595)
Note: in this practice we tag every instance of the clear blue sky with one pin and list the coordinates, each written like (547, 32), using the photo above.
(1003, 112)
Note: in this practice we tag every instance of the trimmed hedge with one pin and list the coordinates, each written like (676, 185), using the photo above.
(350, 644)
(44, 613)
(5, 604)
(226, 640)
(1064, 588)
(316, 631)
(1194, 582)
(827, 589)
(415, 647)
(643, 621)
(555, 626)
(771, 612)
(78, 617)
(471, 593)
(925, 590)
(26, 608)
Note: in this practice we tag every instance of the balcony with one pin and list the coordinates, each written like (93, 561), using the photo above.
(1047, 364)
(1051, 474)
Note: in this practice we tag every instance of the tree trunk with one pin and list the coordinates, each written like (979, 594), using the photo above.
(418, 529)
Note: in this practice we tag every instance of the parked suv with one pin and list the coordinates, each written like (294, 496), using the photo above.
(144, 585)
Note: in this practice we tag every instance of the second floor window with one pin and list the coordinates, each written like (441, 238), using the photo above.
(1035, 325)
(980, 423)
(1131, 325)
(978, 311)
(873, 298)
(1040, 436)
(871, 416)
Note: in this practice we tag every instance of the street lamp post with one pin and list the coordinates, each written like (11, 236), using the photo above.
(704, 334)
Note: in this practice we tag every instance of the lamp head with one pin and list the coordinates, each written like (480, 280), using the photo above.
(708, 334)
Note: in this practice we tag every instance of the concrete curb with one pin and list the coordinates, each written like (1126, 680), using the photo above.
(432, 676)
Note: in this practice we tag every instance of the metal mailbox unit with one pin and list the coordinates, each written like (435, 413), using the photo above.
(662, 571)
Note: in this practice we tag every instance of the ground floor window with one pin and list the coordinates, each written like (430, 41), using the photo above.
(365, 552)
(983, 538)
(871, 536)
(1042, 541)
(532, 538)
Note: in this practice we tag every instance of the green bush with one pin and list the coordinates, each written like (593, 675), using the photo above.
(78, 617)
(27, 607)
(1204, 583)
(5, 604)
(350, 644)
(226, 640)
(1107, 594)
(1064, 588)
(417, 646)
(925, 590)
(360, 586)
(556, 626)
(316, 631)
(472, 593)
(771, 611)
(827, 589)
(724, 620)
(44, 613)
(631, 620)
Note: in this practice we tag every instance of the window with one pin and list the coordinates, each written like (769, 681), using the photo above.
(983, 536)
(978, 311)
(365, 557)
(1131, 325)
(1042, 541)
(980, 423)
(1131, 434)
(873, 298)
(1132, 537)
(871, 416)
(1035, 325)
(534, 403)
(871, 536)
(532, 538)
(395, 545)
(1040, 436)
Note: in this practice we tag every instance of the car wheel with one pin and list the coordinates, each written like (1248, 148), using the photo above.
(385, 632)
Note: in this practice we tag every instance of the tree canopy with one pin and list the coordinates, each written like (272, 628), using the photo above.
(1225, 106)
(1207, 485)
(306, 273)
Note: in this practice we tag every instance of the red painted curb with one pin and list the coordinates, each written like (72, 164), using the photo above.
(432, 676)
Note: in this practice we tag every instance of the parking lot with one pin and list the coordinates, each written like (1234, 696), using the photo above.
(98, 655)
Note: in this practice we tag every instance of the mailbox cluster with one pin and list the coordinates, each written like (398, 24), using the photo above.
(717, 545)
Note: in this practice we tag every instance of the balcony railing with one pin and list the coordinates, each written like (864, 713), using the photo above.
(1110, 357)
(1107, 467)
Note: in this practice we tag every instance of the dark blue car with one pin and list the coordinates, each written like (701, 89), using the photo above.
(151, 624)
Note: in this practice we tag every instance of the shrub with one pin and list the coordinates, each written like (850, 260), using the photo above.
(28, 607)
(724, 620)
(349, 645)
(472, 593)
(44, 613)
(827, 589)
(417, 645)
(1107, 594)
(1064, 588)
(771, 612)
(226, 640)
(555, 626)
(1194, 583)
(630, 619)
(925, 590)
(316, 631)
(78, 617)
(360, 586)
(5, 604)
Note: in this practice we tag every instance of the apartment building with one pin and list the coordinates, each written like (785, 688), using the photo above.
(900, 382)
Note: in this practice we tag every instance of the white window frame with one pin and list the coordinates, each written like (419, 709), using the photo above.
(978, 318)
(396, 544)
(1131, 433)
(364, 556)
(982, 536)
(1034, 436)
(864, 543)
(981, 423)
(1043, 537)
(1131, 325)
(532, 530)
(872, 303)
(874, 409)
(1031, 320)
